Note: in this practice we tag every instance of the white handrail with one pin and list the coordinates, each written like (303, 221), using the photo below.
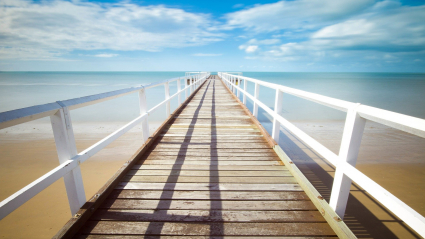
(65, 142)
(345, 161)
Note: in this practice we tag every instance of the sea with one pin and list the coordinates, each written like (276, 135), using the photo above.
(399, 92)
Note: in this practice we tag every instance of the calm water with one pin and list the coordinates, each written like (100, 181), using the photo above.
(399, 92)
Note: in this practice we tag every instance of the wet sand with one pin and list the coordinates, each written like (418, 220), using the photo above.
(393, 159)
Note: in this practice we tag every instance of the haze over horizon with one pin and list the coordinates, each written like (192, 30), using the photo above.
(298, 35)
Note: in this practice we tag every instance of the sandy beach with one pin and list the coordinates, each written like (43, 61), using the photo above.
(392, 158)
(28, 151)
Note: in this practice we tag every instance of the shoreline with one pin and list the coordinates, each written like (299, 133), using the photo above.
(28, 152)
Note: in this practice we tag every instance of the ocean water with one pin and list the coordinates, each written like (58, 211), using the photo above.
(400, 92)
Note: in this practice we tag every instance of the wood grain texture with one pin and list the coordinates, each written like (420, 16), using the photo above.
(207, 195)
(207, 229)
(211, 172)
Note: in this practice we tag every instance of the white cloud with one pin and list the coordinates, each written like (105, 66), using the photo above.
(385, 31)
(62, 26)
(399, 30)
(206, 54)
(252, 45)
(251, 49)
(298, 14)
(105, 55)
(264, 42)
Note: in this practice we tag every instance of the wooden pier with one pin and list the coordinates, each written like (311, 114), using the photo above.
(210, 171)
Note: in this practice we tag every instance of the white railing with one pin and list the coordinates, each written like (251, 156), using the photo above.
(69, 158)
(345, 161)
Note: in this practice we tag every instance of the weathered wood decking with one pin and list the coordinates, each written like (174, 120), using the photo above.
(210, 173)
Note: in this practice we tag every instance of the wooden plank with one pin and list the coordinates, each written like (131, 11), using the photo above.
(231, 150)
(211, 125)
(210, 187)
(257, 145)
(209, 158)
(206, 216)
(189, 237)
(207, 205)
(209, 154)
(193, 173)
(192, 132)
(217, 121)
(208, 229)
(184, 179)
(203, 140)
(207, 168)
(213, 136)
(211, 116)
(204, 162)
(208, 195)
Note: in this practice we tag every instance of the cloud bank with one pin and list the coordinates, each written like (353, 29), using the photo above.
(318, 30)
(47, 29)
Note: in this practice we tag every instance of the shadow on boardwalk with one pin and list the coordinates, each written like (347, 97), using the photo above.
(217, 228)
(363, 222)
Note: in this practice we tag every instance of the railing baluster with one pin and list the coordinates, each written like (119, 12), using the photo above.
(143, 110)
(349, 150)
(256, 94)
(167, 96)
(179, 88)
(66, 149)
(278, 109)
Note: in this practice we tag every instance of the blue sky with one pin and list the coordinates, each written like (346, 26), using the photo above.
(297, 35)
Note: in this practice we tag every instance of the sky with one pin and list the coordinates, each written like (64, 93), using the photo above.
(231, 35)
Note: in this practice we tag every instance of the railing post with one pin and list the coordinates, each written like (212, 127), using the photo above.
(179, 88)
(244, 88)
(349, 150)
(239, 86)
(143, 109)
(167, 96)
(185, 88)
(256, 94)
(66, 149)
(191, 85)
(234, 85)
(278, 110)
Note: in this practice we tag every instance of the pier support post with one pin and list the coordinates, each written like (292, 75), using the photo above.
(167, 96)
(256, 94)
(179, 88)
(349, 150)
(278, 110)
(143, 109)
(66, 149)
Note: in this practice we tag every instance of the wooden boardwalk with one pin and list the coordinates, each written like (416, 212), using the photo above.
(209, 173)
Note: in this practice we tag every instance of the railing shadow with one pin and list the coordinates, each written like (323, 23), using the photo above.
(216, 205)
(154, 229)
(363, 222)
